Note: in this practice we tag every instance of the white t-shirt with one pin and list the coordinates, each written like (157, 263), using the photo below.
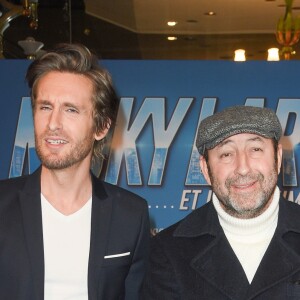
(66, 252)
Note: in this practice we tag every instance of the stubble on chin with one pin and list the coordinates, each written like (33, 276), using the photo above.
(53, 161)
(246, 205)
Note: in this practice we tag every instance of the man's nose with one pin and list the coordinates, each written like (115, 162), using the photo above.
(242, 164)
(55, 120)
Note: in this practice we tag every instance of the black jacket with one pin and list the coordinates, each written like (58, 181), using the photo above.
(193, 260)
(119, 224)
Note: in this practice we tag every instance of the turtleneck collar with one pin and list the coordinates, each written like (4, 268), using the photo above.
(251, 226)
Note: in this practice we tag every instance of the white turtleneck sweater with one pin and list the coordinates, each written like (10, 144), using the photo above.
(249, 238)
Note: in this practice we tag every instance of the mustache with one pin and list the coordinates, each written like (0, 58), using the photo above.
(243, 180)
(54, 133)
(50, 134)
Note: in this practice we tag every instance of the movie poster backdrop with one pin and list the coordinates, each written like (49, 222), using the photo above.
(152, 148)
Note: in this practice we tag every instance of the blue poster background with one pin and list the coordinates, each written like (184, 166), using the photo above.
(162, 102)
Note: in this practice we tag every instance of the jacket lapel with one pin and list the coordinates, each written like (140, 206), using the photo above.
(219, 265)
(32, 221)
(215, 262)
(282, 258)
(278, 263)
(101, 217)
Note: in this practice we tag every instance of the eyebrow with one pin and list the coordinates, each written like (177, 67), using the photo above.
(41, 101)
(64, 104)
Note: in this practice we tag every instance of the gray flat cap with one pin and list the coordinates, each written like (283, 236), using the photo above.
(234, 120)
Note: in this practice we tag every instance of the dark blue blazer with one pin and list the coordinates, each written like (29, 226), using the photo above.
(119, 224)
(193, 260)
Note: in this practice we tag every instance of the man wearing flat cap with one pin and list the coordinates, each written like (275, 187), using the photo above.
(245, 243)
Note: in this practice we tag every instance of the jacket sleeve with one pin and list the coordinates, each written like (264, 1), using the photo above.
(136, 274)
(160, 281)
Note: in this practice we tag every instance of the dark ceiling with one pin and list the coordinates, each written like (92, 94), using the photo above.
(57, 23)
(107, 40)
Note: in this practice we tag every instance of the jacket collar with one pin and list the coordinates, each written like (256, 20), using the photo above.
(282, 258)
(288, 219)
(203, 221)
(32, 221)
(101, 219)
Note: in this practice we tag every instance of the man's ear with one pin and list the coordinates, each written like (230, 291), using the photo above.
(101, 134)
(204, 168)
(279, 157)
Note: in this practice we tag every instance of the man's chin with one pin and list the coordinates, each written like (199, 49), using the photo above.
(55, 164)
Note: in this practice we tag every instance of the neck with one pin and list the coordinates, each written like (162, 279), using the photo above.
(67, 190)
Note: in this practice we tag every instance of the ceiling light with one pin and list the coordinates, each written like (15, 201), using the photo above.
(210, 13)
(172, 38)
(30, 47)
(273, 54)
(239, 55)
(172, 23)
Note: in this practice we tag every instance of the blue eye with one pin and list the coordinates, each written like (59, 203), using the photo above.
(72, 110)
(45, 107)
